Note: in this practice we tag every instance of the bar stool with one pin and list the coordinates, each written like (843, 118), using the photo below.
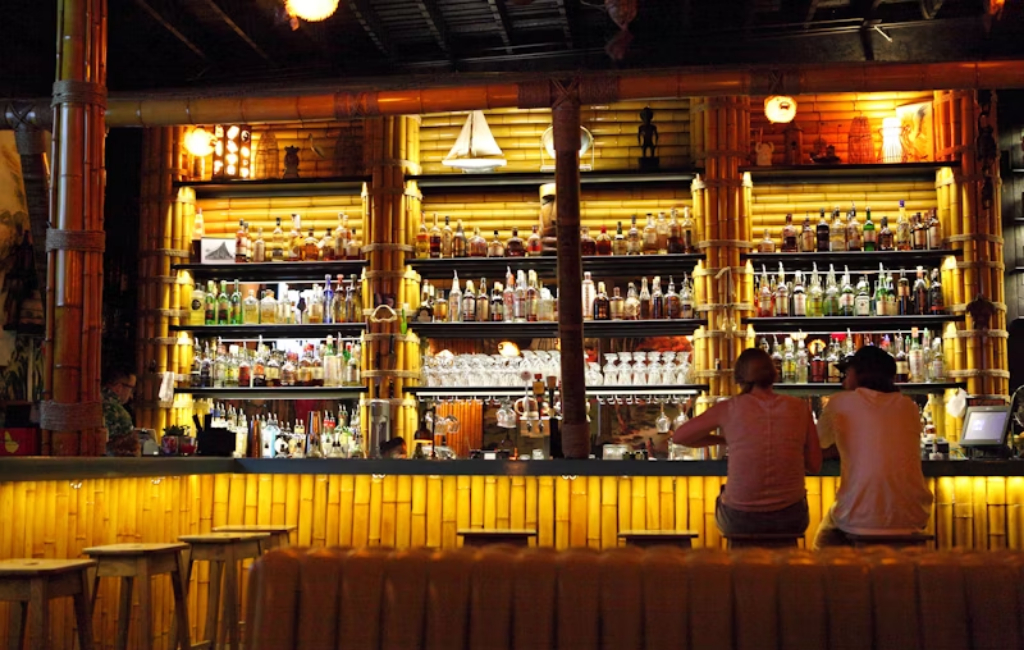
(135, 564)
(489, 536)
(895, 541)
(763, 540)
(650, 538)
(224, 552)
(30, 584)
(278, 533)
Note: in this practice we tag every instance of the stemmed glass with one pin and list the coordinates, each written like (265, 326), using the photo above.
(682, 368)
(654, 369)
(610, 371)
(625, 377)
(593, 375)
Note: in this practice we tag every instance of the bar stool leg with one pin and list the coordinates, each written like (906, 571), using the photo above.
(17, 621)
(231, 599)
(83, 615)
(145, 586)
(216, 573)
(124, 614)
(179, 624)
(38, 615)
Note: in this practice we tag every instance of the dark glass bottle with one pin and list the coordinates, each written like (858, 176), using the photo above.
(515, 247)
(604, 242)
(885, 238)
(587, 244)
(602, 304)
(935, 299)
(823, 234)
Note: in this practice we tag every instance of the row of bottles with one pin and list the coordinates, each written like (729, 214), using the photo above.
(339, 243)
(521, 299)
(847, 234)
(337, 301)
(664, 236)
(777, 296)
(649, 303)
(311, 364)
(919, 357)
(323, 435)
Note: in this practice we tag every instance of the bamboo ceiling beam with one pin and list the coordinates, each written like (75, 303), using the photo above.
(435, 23)
(230, 22)
(327, 102)
(501, 19)
(563, 13)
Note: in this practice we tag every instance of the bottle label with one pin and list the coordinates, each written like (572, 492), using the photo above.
(800, 304)
(862, 306)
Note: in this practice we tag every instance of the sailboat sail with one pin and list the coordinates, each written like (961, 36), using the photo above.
(475, 148)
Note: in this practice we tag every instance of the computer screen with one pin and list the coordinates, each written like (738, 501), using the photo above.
(985, 426)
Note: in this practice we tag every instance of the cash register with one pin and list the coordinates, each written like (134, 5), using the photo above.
(985, 431)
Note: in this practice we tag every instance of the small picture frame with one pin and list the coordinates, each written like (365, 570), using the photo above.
(217, 250)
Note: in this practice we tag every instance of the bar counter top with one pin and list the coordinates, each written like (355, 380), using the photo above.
(43, 469)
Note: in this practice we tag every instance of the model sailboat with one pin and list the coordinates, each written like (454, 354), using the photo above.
(475, 150)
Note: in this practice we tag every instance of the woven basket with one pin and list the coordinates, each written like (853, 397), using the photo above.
(860, 143)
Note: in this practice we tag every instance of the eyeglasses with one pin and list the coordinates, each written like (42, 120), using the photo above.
(130, 387)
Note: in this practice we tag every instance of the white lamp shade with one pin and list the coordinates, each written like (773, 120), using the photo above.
(548, 140)
(199, 142)
(311, 10)
(780, 109)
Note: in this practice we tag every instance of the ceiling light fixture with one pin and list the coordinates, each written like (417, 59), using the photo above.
(311, 10)
(199, 142)
(475, 150)
(780, 109)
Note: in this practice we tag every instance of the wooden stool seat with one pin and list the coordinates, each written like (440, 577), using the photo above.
(135, 564)
(489, 536)
(763, 540)
(278, 533)
(29, 585)
(649, 538)
(895, 541)
(225, 552)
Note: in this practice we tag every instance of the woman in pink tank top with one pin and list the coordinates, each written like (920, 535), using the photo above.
(772, 443)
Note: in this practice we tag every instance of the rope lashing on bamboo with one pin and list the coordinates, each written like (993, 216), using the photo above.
(387, 246)
(697, 184)
(723, 182)
(400, 374)
(717, 334)
(967, 374)
(715, 270)
(734, 243)
(414, 168)
(708, 374)
(78, 416)
(70, 91)
(384, 336)
(381, 314)
(962, 307)
(169, 252)
(970, 334)
(386, 191)
(712, 306)
(993, 239)
(981, 264)
(164, 340)
(381, 273)
(86, 241)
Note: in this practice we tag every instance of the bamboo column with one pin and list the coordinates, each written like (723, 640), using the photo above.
(71, 414)
(575, 430)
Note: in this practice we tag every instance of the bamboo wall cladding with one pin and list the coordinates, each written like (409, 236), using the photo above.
(221, 216)
(614, 127)
(830, 116)
(57, 519)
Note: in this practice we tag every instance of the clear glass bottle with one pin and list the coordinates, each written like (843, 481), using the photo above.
(915, 360)
(295, 239)
(274, 369)
(546, 309)
(936, 302)
(830, 304)
(676, 244)
(483, 303)
(766, 245)
(616, 305)
(802, 363)
(631, 305)
(657, 300)
(259, 367)
(259, 248)
(315, 306)
(447, 237)
(251, 309)
(495, 247)
(799, 297)
(289, 370)
(515, 247)
(934, 231)
(815, 296)
(837, 233)
(904, 301)
(847, 297)
(197, 306)
(497, 310)
(534, 244)
(477, 244)
(643, 301)
(904, 236)
(603, 242)
(587, 244)
(807, 243)
(467, 311)
(862, 300)
(634, 243)
(788, 362)
(277, 247)
(422, 240)
(765, 297)
(244, 370)
(343, 237)
(902, 364)
(920, 294)
(532, 306)
(781, 294)
(241, 244)
(854, 234)
(661, 226)
(673, 306)
(686, 302)
(689, 232)
(311, 248)
(589, 294)
(650, 237)
(619, 244)
(455, 301)
(328, 246)
(268, 308)
(920, 232)
(789, 236)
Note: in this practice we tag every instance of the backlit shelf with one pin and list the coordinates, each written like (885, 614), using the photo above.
(840, 324)
(276, 393)
(274, 271)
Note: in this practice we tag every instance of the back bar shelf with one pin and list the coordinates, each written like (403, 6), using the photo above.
(473, 183)
(810, 390)
(837, 324)
(274, 271)
(855, 260)
(485, 392)
(276, 187)
(823, 174)
(600, 266)
(276, 392)
(592, 329)
(246, 332)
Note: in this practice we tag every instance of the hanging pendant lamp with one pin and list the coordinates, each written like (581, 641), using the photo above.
(475, 150)
(311, 10)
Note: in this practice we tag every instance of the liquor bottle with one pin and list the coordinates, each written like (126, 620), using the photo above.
(920, 232)
(661, 226)
(277, 252)
(619, 244)
(435, 239)
(328, 246)
(587, 244)
(508, 296)
(495, 248)
(460, 245)
(315, 306)
(920, 294)
(546, 308)
(902, 363)
(807, 243)
(534, 243)
(519, 298)
(936, 302)
(251, 309)
(223, 304)
(686, 306)
(206, 369)
(830, 303)
(198, 232)
(311, 248)
(788, 362)
(650, 241)
(847, 296)
(268, 308)
(799, 297)
(616, 305)
(781, 294)
(789, 237)
(832, 362)
(891, 306)
(483, 303)
(689, 232)
(447, 235)
(854, 234)
(815, 296)
(934, 231)
(657, 301)
(870, 235)
(602, 304)
(497, 311)
(634, 244)
(589, 295)
(259, 248)
(241, 242)
(220, 367)
(631, 306)
(441, 308)
(937, 366)
(837, 233)
(343, 236)
(328, 300)
(515, 247)
(915, 360)
(295, 240)
(422, 240)
(862, 301)
(643, 301)
(765, 297)
(467, 310)
(819, 368)
(766, 245)
(885, 237)
(777, 358)
(531, 305)
(477, 244)
(603, 242)
(822, 235)
(455, 301)
(904, 301)
(904, 237)
(197, 306)
(802, 363)
(244, 370)
(676, 243)
(673, 305)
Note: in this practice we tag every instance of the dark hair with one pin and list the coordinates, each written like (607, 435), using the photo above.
(876, 369)
(116, 371)
(393, 444)
(754, 367)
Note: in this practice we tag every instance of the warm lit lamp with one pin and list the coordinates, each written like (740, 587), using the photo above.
(199, 142)
(475, 150)
(892, 147)
(780, 109)
(232, 152)
(311, 10)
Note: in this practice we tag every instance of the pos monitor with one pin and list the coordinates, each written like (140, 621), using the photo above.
(985, 427)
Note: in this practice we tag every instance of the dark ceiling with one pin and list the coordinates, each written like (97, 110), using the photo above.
(190, 43)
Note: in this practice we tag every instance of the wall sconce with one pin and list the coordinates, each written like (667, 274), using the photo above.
(547, 142)
(892, 146)
(780, 109)
(232, 152)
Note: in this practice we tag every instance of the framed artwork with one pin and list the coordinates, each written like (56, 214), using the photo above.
(918, 134)
(216, 250)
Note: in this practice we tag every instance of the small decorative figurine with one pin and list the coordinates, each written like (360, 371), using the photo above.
(794, 144)
(291, 162)
(647, 138)
(764, 153)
